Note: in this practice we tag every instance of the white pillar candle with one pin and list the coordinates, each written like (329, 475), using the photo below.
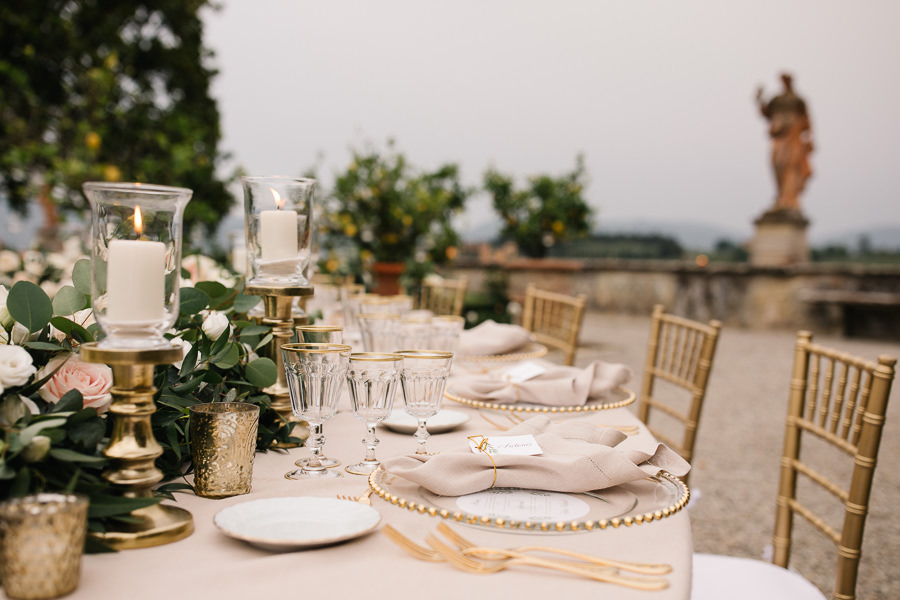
(278, 234)
(136, 281)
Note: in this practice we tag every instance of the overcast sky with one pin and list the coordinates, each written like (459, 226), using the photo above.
(657, 95)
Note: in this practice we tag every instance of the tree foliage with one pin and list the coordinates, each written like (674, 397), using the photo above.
(548, 210)
(391, 210)
(101, 90)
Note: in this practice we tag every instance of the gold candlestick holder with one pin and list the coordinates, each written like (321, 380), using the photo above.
(278, 303)
(133, 449)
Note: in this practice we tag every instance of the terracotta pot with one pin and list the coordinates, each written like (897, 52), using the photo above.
(387, 277)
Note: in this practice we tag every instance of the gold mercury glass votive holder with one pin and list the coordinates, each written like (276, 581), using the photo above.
(223, 446)
(41, 543)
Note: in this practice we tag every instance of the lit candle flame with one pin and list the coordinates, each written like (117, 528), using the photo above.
(279, 202)
(138, 220)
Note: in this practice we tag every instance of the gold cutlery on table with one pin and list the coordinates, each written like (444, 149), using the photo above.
(466, 546)
(362, 498)
(494, 560)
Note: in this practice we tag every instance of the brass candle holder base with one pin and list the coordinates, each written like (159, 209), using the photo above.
(133, 449)
(278, 303)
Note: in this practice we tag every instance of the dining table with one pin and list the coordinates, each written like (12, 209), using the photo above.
(211, 564)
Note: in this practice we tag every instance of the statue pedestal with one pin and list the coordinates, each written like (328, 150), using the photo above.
(780, 239)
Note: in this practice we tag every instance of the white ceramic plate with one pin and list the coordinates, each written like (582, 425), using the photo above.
(283, 524)
(445, 420)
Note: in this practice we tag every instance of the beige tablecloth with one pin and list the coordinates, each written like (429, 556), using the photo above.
(210, 565)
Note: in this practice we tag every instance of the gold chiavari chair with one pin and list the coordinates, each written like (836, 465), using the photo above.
(554, 319)
(835, 416)
(444, 296)
(680, 355)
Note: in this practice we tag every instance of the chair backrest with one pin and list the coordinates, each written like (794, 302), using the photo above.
(838, 402)
(444, 297)
(554, 319)
(679, 352)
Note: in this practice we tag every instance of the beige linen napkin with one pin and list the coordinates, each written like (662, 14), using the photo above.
(577, 456)
(558, 385)
(491, 337)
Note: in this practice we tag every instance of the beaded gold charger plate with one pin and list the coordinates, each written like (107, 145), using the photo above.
(537, 511)
(616, 398)
(530, 351)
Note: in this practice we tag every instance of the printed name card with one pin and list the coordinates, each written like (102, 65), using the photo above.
(522, 445)
(523, 372)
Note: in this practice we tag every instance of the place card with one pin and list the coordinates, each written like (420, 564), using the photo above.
(523, 505)
(522, 445)
(523, 372)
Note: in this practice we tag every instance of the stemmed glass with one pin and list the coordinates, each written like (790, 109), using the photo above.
(319, 334)
(423, 377)
(372, 378)
(379, 331)
(315, 374)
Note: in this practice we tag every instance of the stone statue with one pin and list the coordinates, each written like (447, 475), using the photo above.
(791, 136)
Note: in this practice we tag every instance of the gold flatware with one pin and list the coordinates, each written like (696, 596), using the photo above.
(468, 547)
(362, 498)
(470, 564)
(412, 548)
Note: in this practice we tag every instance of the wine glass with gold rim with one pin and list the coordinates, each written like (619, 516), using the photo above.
(315, 375)
(373, 379)
(423, 377)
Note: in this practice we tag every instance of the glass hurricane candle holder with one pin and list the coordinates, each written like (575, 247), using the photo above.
(277, 218)
(135, 261)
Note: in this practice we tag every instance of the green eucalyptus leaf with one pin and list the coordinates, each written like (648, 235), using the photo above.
(26, 435)
(29, 305)
(189, 362)
(191, 384)
(261, 372)
(252, 330)
(45, 346)
(72, 329)
(193, 300)
(110, 506)
(6, 472)
(213, 289)
(68, 301)
(87, 434)
(263, 342)
(70, 401)
(177, 402)
(81, 276)
(68, 455)
(227, 357)
(243, 303)
(219, 344)
(21, 483)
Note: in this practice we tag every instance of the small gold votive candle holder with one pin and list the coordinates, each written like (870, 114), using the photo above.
(223, 445)
(41, 543)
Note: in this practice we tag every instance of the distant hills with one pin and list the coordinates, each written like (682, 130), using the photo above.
(702, 236)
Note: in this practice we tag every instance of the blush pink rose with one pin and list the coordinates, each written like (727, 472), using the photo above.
(93, 380)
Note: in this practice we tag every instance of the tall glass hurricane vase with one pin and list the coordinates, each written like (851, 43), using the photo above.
(315, 375)
(423, 377)
(136, 261)
(373, 379)
(277, 217)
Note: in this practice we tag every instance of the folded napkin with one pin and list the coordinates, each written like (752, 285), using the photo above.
(558, 385)
(491, 337)
(577, 456)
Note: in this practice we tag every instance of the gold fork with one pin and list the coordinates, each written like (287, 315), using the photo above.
(607, 575)
(468, 547)
(362, 498)
(412, 548)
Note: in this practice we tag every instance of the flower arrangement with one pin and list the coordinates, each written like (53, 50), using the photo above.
(53, 424)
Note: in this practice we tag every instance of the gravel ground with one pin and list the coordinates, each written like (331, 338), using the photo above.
(740, 442)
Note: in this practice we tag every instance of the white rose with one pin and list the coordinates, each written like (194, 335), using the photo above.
(6, 320)
(9, 261)
(16, 366)
(215, 324)
(20, 334)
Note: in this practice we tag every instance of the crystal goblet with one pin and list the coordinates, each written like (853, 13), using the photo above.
(373, 378)
(315, 374)
(423, 377)
(319, 334)
(379, 331)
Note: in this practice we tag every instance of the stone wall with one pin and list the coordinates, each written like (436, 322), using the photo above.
(737, 294)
